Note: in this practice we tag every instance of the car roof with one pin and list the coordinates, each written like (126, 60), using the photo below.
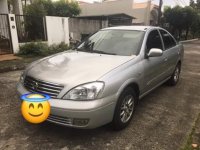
(137, 28)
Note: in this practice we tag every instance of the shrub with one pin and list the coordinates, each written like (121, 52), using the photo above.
(41, 49)
(60, 8)
(57, 48)
(33, 49)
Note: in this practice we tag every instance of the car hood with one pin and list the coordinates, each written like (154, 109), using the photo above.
(75, 67)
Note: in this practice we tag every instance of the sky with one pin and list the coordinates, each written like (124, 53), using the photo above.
(170, 2)
(165, 2)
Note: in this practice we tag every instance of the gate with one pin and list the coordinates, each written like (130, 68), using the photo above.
(30, 28)
(5, 36)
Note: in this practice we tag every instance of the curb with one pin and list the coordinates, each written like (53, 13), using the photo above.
(189, 40)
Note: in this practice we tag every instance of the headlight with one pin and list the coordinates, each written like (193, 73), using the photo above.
(88, 91)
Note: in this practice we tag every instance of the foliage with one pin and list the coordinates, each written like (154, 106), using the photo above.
(10, 2)
(48, 7)
(63, 9)
(39, 8)
(198, 5)
(192, 4)
(195, 28)
(57, 48)
(33, 49)
(189, 16)
(34, 27)
(33, 22)
(36, 9)
(41, 49)
(181, 19)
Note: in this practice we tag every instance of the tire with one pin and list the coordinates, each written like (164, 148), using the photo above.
(124, 109)
(175, 76)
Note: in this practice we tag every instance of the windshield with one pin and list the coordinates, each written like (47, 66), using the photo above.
(114, 42)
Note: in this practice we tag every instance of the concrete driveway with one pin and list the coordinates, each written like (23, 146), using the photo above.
(162, 120)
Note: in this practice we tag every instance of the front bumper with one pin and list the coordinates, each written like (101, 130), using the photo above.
(79, 114)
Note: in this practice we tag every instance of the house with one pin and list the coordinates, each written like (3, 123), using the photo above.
(143, 13)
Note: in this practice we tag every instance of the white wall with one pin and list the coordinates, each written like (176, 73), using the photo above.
(3, 7)
(79, 26)
(142, 14)
(57, 30)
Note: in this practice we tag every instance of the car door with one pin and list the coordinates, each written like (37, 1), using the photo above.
(153, 66)
(171, 52)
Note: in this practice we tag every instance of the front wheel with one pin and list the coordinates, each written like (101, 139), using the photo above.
(124, 109)
(175, 76)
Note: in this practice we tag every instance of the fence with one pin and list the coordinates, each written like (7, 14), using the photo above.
(19, 29)
(5, 37)
(30, 28)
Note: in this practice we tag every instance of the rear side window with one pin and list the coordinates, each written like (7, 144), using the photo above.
(154, 40)
(169, 42)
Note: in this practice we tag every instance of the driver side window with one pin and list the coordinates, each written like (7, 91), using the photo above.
(153, 41)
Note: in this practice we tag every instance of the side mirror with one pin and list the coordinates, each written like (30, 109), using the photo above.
(155, 52)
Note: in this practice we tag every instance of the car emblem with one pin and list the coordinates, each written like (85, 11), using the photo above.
(35, 85)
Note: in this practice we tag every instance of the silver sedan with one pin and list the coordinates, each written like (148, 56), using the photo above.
(102, 79)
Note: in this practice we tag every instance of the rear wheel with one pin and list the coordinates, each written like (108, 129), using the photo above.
(175, 76)
(124, 109)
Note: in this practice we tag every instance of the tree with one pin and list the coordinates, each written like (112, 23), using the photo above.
(49, 7)
(10, 2)
(63, 8)
(198, 4)
(33, 22)
(59, 8)
(173, 17)
(180, 19)
(192, 4)
(189, 15)
(36, 9)
(195, 28)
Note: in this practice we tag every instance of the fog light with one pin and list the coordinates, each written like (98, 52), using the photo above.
(80, 122)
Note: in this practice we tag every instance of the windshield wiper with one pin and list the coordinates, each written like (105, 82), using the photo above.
(88, 47)
(81, 49)
(102, 52)
(94, 51)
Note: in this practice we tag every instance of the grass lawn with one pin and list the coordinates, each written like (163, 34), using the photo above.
(194, 136)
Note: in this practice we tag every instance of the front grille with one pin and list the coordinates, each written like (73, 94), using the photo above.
(61, 120)
(38, 86)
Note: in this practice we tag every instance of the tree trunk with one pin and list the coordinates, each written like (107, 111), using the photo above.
(180, 33)
(186, 35)
(193, 35)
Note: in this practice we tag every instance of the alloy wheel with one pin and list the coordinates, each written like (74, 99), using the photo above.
(127, 108)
